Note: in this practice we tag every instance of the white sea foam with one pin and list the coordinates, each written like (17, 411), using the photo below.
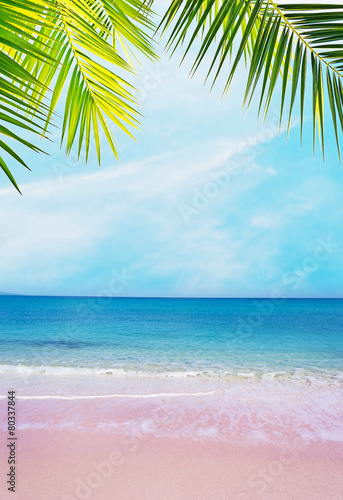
(27, 370)
(159, 373)
(146, 371)
(108, 396)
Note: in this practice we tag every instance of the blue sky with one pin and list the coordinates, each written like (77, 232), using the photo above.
(205, 203)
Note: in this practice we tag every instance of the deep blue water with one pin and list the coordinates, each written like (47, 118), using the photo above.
(206, 335)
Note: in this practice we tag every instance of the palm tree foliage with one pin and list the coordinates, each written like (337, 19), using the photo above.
(278, 42)
(87, 45)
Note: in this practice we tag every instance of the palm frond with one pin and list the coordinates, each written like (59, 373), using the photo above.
(19, 30)
(277, 42)
(85, 44)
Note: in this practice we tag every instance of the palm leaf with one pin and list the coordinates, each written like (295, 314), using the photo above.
(276, 41)
(87, 45)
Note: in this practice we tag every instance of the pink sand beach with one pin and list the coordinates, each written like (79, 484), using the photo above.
(241, 440)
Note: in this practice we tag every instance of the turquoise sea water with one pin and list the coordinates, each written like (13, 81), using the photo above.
(175, 336)
(217, 369)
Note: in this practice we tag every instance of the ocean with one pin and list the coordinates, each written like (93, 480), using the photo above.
(238, 370)
(180, 337)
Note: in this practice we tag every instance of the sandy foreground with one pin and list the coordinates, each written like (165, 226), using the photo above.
(109, 464)
(269, 441)
(73, 465)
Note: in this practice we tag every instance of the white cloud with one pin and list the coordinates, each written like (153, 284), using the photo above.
(59, 225)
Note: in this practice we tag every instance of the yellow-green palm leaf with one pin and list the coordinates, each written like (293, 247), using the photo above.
(85, 44)
(280, 42)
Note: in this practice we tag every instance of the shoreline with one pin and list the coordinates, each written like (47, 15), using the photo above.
(311, 409)
(104, 437)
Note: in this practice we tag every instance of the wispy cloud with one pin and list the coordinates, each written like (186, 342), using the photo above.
(58, 224)
(67, 235)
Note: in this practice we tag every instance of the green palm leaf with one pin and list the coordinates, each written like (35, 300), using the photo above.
(276, 41)
(87, 45)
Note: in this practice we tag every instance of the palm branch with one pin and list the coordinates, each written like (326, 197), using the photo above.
(86, 45)
(286, 43)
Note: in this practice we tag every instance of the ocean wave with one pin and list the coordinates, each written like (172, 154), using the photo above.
(165, 373)
(58, 370)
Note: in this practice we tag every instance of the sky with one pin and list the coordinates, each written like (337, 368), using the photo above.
(206, 203)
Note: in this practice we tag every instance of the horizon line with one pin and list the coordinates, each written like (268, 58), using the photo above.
(166, 297)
